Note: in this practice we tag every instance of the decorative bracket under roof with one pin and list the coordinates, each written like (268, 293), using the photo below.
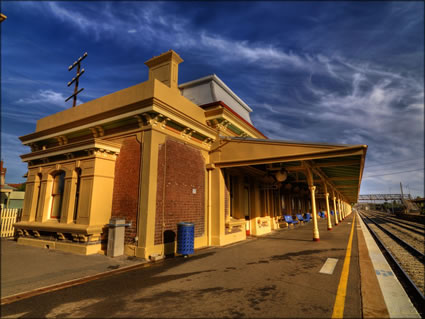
(62, 139)
(97, 131)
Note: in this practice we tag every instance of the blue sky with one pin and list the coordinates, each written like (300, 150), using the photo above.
(334, 72)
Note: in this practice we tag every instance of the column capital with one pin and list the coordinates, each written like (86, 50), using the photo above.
(312, 188)
(327, 194)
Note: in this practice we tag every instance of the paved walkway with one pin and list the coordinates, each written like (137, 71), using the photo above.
(277, 275)
(25, 268)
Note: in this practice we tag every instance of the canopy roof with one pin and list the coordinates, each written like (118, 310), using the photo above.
(338, 166)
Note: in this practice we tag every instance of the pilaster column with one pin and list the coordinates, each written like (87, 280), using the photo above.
(313, 210)
(328, 213)
(148, 191)
(31, 197)
(218, 221)
(45, 195)
(336, 215)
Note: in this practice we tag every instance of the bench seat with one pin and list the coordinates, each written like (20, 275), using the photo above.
(289, 220)
(300, 217)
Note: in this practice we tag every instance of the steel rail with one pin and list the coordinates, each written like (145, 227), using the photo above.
(415, 295)
(404, 226)
(401, 221)
(412, 250)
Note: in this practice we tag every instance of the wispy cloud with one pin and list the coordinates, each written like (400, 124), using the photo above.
(268, 55)
(46, 97)
(155, 25)
(333, 78)
(28, 117)
(79, 20)
(104, 22)
(381, 108)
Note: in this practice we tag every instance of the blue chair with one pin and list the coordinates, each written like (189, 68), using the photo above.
(300, 217)
(332, 212)
(307, 217)
(289, 220)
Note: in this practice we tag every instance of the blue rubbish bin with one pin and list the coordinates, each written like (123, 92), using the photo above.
(185, 238)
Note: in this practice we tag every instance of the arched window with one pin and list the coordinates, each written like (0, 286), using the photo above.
(57, 194)
(77, 193)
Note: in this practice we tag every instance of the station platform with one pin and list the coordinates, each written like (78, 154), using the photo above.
(284, 274)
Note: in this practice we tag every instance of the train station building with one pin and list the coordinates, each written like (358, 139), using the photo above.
(159, 153)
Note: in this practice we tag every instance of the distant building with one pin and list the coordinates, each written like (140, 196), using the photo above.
(159, 153)
(10, 197)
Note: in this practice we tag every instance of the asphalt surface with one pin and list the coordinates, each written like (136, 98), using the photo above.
(25, 268)
(271, 276)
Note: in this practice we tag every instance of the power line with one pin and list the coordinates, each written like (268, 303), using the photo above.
(413, 159)
(383, 170)
(413, 170)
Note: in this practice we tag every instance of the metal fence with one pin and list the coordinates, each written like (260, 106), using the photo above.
(9, 216)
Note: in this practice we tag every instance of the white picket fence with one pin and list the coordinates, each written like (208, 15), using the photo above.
(8, 217)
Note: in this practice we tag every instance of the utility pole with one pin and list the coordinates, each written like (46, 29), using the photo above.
(75, 79)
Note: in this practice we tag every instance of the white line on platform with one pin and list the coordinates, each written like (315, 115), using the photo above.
(329, 266)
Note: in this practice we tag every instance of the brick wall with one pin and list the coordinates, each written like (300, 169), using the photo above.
(125, 199)
(184, 169)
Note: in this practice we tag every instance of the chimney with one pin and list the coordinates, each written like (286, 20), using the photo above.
(165, 68)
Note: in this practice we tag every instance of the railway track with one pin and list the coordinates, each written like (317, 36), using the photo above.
(401, 251)
(412, 237)
(413, 226)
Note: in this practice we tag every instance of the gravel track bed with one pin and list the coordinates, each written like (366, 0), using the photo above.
(415, 240)
(410, 264)
(414, 225)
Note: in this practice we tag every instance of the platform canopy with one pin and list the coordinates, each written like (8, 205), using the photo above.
(338, 166)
